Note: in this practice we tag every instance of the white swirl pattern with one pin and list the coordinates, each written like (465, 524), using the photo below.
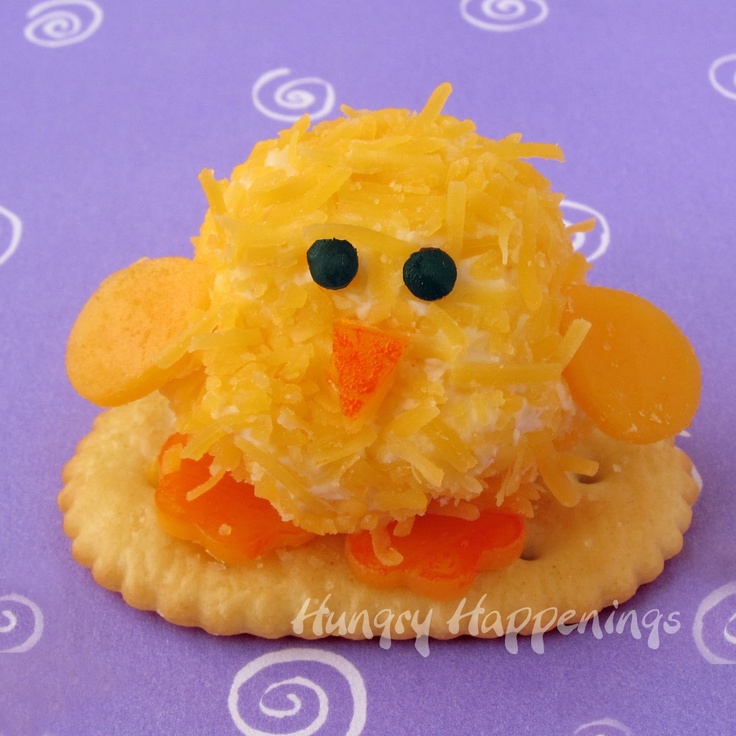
(603, 727)
(714, 627)
(57, 23)
(290, 656)
(592, 244)
(292, 98)
(722, 75)
(9, 234)
(504, 15)
(21, 624)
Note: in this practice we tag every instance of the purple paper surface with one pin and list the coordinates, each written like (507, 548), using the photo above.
(108, 111)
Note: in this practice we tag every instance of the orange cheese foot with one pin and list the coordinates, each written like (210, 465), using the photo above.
(225, 517)
(442, 554)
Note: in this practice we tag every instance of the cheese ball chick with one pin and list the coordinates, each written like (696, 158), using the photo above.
(384, 325)
(389, 289)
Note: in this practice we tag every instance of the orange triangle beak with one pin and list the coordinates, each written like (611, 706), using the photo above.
(364, 360)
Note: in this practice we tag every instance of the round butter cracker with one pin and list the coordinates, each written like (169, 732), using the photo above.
(577, 561)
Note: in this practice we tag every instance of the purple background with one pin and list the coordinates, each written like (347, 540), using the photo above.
(100, 145)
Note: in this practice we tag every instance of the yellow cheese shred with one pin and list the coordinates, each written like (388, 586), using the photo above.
(202, 488)
(385, 553)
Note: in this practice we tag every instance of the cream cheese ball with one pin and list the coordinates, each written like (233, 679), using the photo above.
(387, 322)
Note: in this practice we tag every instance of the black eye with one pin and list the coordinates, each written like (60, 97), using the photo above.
(333, 263)
(430, 274)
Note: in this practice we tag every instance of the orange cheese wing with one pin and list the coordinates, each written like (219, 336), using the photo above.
(135, 315)
(636, 375)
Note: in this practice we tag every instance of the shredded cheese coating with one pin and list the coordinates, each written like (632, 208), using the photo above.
(477, 401)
